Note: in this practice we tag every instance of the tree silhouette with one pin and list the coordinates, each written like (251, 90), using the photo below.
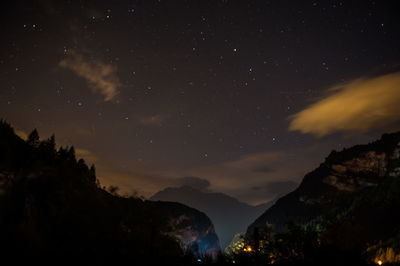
(51, 204)
(33, 138)
(92, 173)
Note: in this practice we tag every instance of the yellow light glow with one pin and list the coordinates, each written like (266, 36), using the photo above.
(379, 262)
(248, 249)
(356, 106)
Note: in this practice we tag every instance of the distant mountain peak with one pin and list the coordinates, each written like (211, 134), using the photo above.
(228, 214)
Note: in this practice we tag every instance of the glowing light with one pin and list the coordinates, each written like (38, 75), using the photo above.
(379, 262)
(248, 249)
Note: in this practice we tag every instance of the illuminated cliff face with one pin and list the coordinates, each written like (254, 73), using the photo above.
(191, 227)
(386, 255)
(202, 240)
(345, 176)
(359, 185)
(237, 244)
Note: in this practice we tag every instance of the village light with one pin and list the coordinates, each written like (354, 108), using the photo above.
(379, 262)
(248, 249)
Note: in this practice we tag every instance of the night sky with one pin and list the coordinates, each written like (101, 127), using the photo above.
(240, 97)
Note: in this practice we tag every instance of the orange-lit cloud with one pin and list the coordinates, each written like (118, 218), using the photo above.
(239, 177)
(86, 155)
(22, 134)
(253, 178)
(356, 106)
(102, 78)
(256, 162)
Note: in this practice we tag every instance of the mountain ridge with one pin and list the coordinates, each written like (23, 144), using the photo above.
(228, 214)
(354, 190)
(52, 206)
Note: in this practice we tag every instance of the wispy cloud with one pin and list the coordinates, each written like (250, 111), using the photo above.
(277, 188)
(253, 178)
(132, 182)
(258, 162)
(192, 181)
(356, 106)
(153, 120)
(86, 155)
(101, 77)
(239, 177)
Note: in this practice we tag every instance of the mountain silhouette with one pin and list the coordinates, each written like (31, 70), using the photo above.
(352, 200)
(229, 215)
(53, 207)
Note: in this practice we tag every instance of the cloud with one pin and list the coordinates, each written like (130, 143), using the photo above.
(263, 169)
(194, 182)
(268, 191)
(258, 162)
(257, 168)
(101, 77)
(131, 182)
(86, 155)
(356, 106)
(153, 120)
(277, 187)
(23, 135)
(239, 177)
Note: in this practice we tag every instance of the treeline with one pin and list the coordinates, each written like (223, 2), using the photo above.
(53, 209)
(338, 244)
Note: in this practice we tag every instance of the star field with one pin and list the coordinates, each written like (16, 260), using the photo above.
(152, 91)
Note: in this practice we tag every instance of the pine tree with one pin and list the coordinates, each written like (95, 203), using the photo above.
(33, 138)
(92, 173)
(71, 153)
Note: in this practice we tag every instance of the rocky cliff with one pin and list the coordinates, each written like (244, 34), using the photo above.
(228, 215)
(357, 188)
(192, 227)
